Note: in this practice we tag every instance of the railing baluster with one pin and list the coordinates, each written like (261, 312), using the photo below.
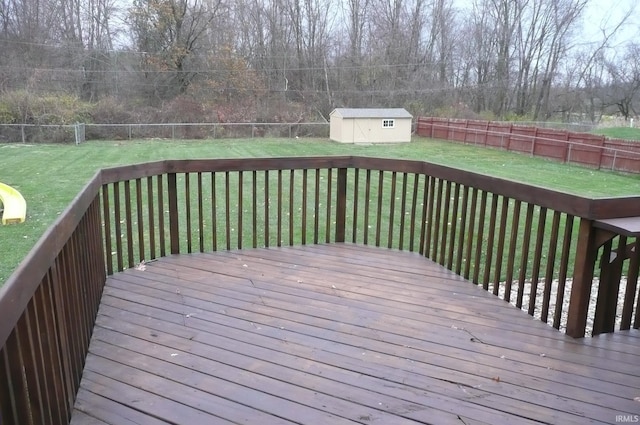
(151, 219)
(200, 211)
(423, 217)
(78, 300)
(161, 212)
(470, 233)
(254, 208)
(37, 333)
(630, 290)
(8, 406)
(106, 214)
(454, 225)
(52, 365)
(513, 239)
(522, 276)
(504, 212)
(356, 199)
(187, 210)
(327, 237)
(445, 223)
(214, 213)
(128, 221)
(279, 243)
(32, 374)
(239, 226)
(292, 183)
(392, 209)
(562, 275)
(551, 260)
(140, 224)
(537, 260)
(403, 208)
(174, 227)
(316, 208)
(490, 241)
(118, 226)
(62, 330)
(14, 365)
(367, 201)
(462, 232)
(430, 215)
(477, 262)
(303, 224)
(414, 211)
(636, 320)
(266, 208)
(437, 220)
(227, 209)
(379, 207)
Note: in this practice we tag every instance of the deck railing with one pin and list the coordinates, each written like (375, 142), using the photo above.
(531, 246)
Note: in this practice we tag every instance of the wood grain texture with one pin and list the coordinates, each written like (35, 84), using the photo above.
(337, 334)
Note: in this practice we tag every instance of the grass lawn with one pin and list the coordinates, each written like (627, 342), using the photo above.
(49, 176)
(625, 133)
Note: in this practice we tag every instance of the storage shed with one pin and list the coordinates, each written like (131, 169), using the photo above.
(370, 125)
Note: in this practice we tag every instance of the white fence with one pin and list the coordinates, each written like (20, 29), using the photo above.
(78, 133)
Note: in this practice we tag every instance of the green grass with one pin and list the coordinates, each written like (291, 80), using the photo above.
(625, 133)
(49, 176)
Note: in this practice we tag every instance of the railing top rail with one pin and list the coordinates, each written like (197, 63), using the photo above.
(598, 208)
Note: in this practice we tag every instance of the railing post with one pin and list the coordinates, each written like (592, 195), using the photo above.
(341, 205)
(586, 254)
(174, 231)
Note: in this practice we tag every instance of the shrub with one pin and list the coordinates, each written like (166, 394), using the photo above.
(24, 107)
(111, 111)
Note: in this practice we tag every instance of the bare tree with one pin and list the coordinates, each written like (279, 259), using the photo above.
(170, 33)
(624, 82)
(566, 14)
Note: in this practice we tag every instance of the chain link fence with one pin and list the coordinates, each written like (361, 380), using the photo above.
(79, 133)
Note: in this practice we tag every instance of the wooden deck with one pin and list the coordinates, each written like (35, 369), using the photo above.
(336, 334)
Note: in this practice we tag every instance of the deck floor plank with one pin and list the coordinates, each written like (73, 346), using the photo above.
(337, 334)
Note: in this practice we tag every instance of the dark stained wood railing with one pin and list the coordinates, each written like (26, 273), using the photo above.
(536, 248)
(48, 309)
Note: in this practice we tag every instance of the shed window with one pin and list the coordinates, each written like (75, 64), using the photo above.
(388, 123)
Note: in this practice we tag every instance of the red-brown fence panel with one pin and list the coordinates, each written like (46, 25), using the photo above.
(523, 139)
(550, 143)
(585, 149)
(498, 134)
(579, 148)
(621, 155)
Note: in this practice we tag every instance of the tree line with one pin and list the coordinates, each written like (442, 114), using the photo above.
(294, 60)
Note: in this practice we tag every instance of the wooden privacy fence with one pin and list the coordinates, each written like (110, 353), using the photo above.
(520, 242)
(578, 148)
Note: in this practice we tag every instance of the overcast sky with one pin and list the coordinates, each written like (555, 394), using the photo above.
(604, 14)
(607, 14)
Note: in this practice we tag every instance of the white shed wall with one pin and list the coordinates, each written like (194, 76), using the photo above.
(357, 126)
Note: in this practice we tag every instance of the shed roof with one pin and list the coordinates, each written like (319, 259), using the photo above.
(372, 113)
